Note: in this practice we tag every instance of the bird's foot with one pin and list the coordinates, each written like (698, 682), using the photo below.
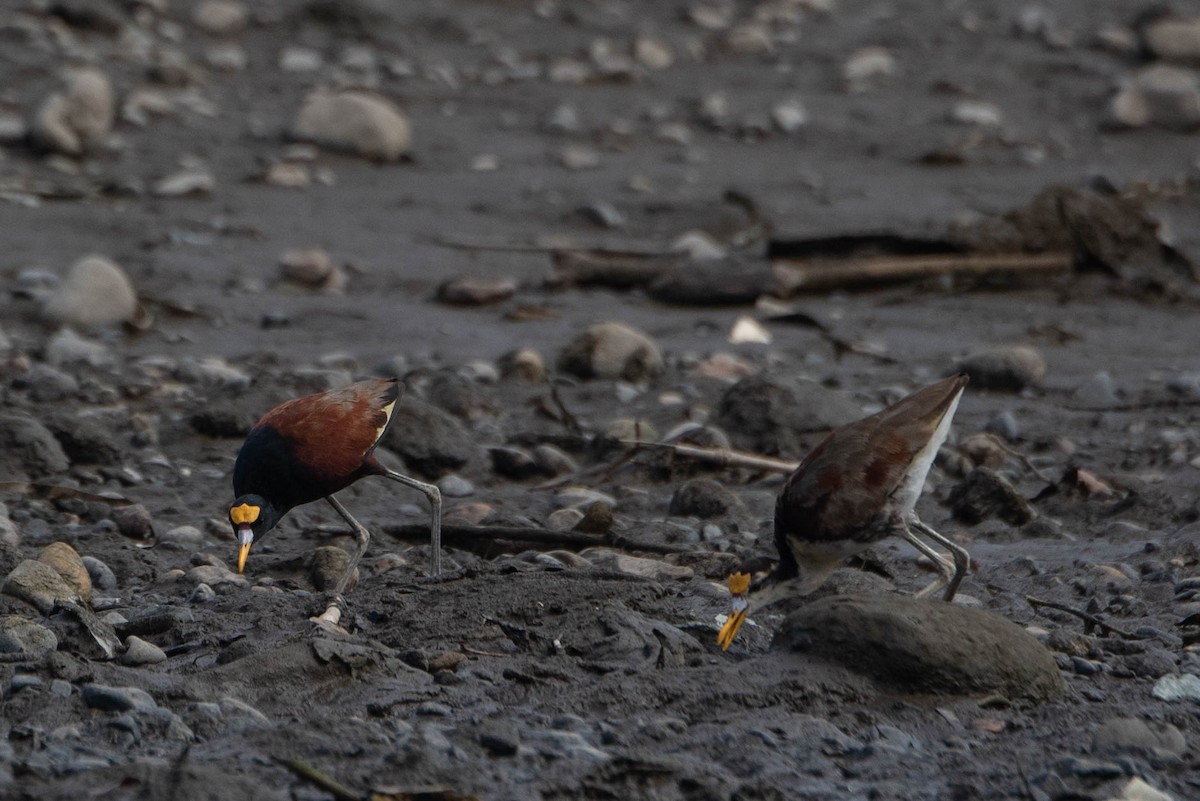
(330, 620)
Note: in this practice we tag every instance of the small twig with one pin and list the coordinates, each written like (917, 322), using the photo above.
(569, 420)
(466, 649)
(1087, 617)
(1020, 457)
(323, 780)
(723, 457)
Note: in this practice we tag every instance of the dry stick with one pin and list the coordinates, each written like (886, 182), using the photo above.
(1020, 457)
(723, 457)
(1087, 617)
(796, 276)
(323, 780)
(569, 420)
(467, 536)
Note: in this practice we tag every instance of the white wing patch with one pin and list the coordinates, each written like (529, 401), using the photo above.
(914, 480)
(387, 416)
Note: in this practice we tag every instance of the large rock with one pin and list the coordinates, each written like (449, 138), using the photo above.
(772, 414)
(918, 645)
(95, 292)
(79, 117)
(612, 350)
(1156, 739)
(430, 440)
(1160, 94)
(27, 447)
(357, 122)
(68, 564)
(22, 635)
(39, 584)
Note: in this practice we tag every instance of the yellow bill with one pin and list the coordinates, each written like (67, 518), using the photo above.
(739, 585)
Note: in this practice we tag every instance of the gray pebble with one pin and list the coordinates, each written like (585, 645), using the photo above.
(1155, 739)
(22, 635)
(203, 594)
(1085, 667)
(102, 575)
(1178, 687)
(118, 699)
(1098, 391)
(1004, 367)
(1004, 425)
(704, 498)
(140, 652)
(454, 486)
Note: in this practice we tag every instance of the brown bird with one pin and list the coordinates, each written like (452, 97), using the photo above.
(310, 448)
(857, 487)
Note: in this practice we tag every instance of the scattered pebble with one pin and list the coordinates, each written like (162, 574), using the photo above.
(67, 563)
(95, 292)
(364, 124)
(1178, 687)
(139, 652)
(79, 118)
(867, 67)
(704, 498)
(465, 291)
(39, 584)
(612, 351)
(985, 493)
(220, 17)
(21, 635)
(1005, 367)
(1156, 739)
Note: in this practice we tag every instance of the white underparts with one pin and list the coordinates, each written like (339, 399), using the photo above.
(245, 535)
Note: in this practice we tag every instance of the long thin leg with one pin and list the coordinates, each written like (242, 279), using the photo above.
(361, 534)
(944, 568)
(435, 525)
(962, 559)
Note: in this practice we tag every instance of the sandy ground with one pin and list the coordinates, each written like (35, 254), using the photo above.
(524, 678)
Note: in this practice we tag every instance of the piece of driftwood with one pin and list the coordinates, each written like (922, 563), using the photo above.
(615, 269)
(819, 275)
(486, 537)
(722, 457)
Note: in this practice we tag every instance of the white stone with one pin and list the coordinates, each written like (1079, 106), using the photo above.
(186, 182)
(79, 117)
(1174, 39)
(300, 59)
(96, 291)
(220, 17)
(748, 330)
(976, 112)
(1178, 687)
(789, 117)
(867, 66)
(354, 121)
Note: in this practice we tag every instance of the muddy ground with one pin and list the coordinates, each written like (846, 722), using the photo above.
(518, 676)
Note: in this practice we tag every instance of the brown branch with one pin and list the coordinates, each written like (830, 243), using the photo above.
(482, 537)
(1087, 617)
(822, 275)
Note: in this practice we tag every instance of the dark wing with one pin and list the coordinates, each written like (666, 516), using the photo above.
(313, 446)
(844, 484)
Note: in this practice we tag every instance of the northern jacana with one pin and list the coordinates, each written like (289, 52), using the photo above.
(857, 487)
(310, 448)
